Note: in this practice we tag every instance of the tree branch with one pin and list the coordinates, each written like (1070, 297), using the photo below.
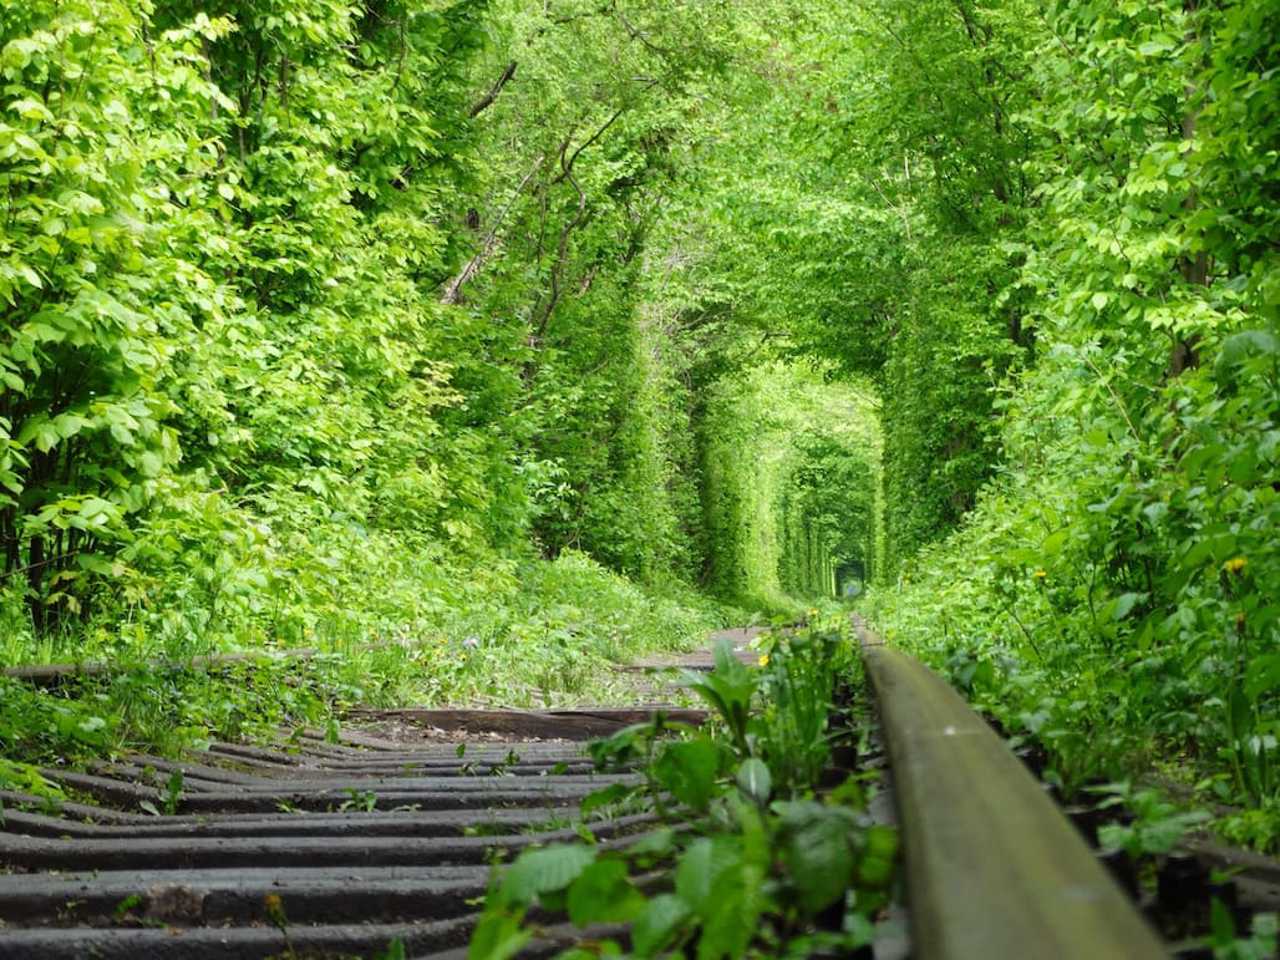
(566, 168)
(485, 102)
(453, 291)
(638, 35)
(562, 257)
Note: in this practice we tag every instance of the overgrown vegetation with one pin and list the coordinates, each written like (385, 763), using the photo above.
(1088, 375)
(486, 325)
(377, 329)
(760, 865)
(791, 469)
(549, 643)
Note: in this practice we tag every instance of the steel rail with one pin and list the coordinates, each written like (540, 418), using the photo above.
(994, 871)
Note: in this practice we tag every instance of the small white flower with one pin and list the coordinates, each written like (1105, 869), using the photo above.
(471, 643)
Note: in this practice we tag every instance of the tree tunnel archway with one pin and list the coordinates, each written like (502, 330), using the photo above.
(791, 487)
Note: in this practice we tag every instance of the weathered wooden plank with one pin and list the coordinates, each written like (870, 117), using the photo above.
(232, 943)
(225, 853)
(442, 793)
(188, 898)
(582, 724)
(420, 823)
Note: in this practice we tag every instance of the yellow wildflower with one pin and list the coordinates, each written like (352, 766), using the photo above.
(1040, 574)
(764, 660)
(274, 909)
(1235, 564)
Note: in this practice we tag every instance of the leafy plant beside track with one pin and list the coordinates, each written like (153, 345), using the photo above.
(756, 860)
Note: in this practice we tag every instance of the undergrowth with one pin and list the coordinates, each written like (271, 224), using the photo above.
(760, 861)
(550, 637)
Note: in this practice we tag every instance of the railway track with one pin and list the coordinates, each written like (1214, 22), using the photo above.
(313, 847)
(316, 847)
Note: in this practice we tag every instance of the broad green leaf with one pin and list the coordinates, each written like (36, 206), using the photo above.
(603, 893)
(1125, 603)
(820, 846)
(1054, 543)
(29, 274)
(701, 868)
(689, 769)
(498, 936)
(657, 925)
(1262, 676)
(545, 870)
(657, 843)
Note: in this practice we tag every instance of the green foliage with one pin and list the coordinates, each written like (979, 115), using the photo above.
(1110, 590)
(97, 303)
(688, 771)
(218, 356)
(1259, 944)
(1257, 827)
(746, 878)
(531, 644)
(25, 778)
(776, 715)
(1157, 825)
(369, 323)
(728, 691)
(800, 677)
(485, 332)
(791, 471)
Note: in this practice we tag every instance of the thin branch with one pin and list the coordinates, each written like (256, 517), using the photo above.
(639, 35)
(562, 255)
(566, 169)
(1124, 411)
(485, 102)
(453, 292)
